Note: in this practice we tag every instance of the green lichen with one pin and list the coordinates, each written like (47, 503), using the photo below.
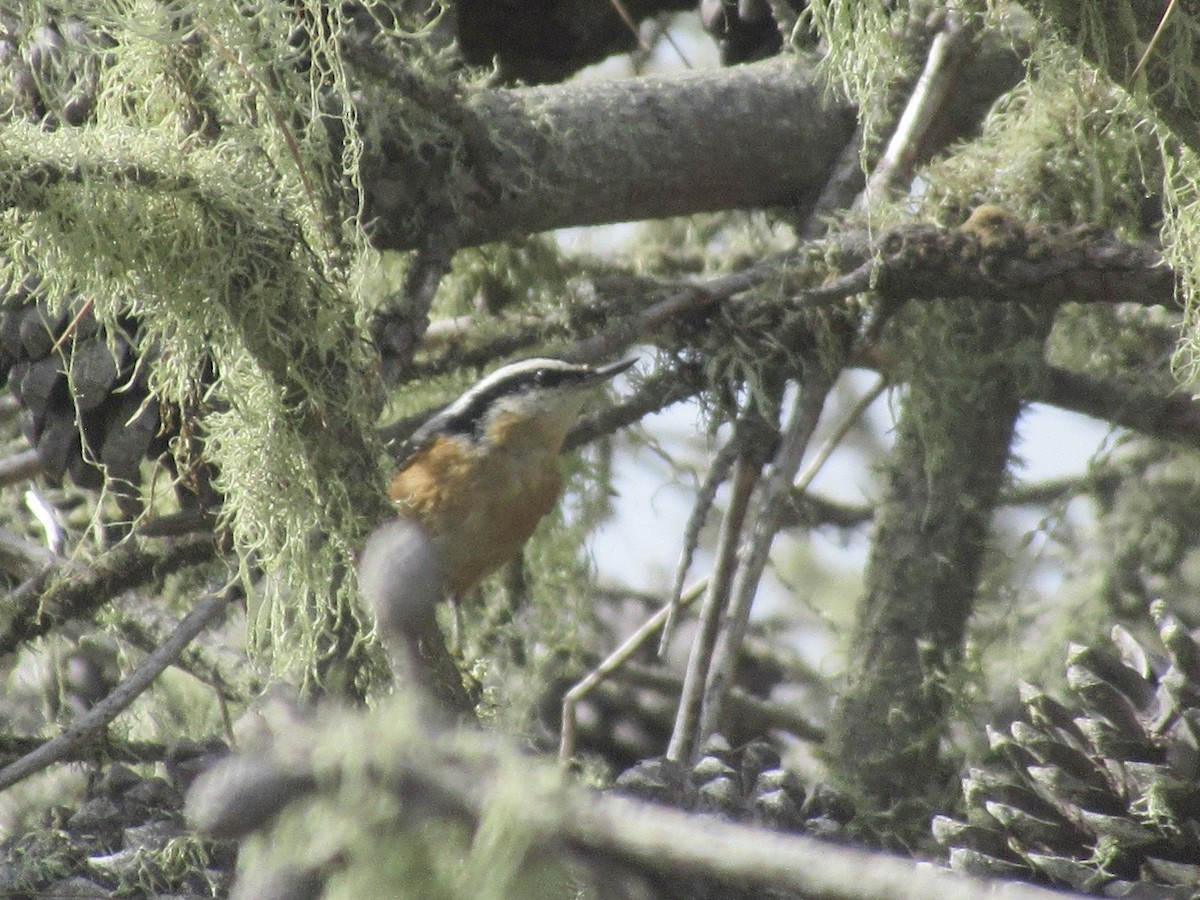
(215, 195)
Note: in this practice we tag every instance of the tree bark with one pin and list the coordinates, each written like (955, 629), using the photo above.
(943, 482)
(597, 152)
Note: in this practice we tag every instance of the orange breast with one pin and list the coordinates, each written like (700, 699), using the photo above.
(480, 509)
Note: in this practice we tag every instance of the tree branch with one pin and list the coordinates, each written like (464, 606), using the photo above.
(78, 591)
(763, 525)
(612, 151)
(465, 780)
(994, 256)
(943, 479)
(1115, 44)
(205, 612)
(1173, 417)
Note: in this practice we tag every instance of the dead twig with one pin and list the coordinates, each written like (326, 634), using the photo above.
(610, 664)
(206, 611)
(932, 87)
(76, 590)
(209, 659)
(772, 501)
(685, 735)
(717, 474)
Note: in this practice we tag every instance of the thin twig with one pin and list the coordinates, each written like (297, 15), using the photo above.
(265, 95)
(797, 492)
(21, 557)
(810, 510)
(20, 467)
(844, 184)
(76, 590)
(772, 501)
(1158, 33)
(623, 12)
(655, 392)
(73, 324)
(206, 611)
(685, 735)
(717, 473)
(761, 715)
(210, 659)
(25, 594)
(611, 663)
(113, 749)
(785, 18)
(839, 434)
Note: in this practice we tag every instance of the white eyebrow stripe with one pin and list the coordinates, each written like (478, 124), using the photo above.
(463, 403)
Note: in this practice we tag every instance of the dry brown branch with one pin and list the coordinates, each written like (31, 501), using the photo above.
(686, 733)
(82, 728)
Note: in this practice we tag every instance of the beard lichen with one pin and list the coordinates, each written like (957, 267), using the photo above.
(213, 193)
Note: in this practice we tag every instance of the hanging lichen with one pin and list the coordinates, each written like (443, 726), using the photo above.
(212, 191)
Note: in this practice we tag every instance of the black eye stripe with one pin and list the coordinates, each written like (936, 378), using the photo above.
(468, 419)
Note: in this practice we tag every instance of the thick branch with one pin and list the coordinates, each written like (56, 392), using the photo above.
(1172, 417)
(1026, 264)
(428, 777)
(994, 256)
(613, 151)
(943, 481)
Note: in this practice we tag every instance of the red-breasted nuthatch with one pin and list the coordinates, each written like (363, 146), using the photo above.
(477, 478)
(483, 471)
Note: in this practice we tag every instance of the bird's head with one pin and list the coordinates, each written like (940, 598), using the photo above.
(530, 400)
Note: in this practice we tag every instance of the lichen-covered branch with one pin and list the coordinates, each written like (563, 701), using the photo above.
(1116, 37)
(77, 590)
(329, 768)
(969, 370)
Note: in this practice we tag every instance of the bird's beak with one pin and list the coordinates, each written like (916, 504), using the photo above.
(611, 370)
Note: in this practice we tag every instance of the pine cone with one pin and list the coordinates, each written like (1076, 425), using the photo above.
(745, 784)
(87, 408)
(50, 68)
(1100, 793)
